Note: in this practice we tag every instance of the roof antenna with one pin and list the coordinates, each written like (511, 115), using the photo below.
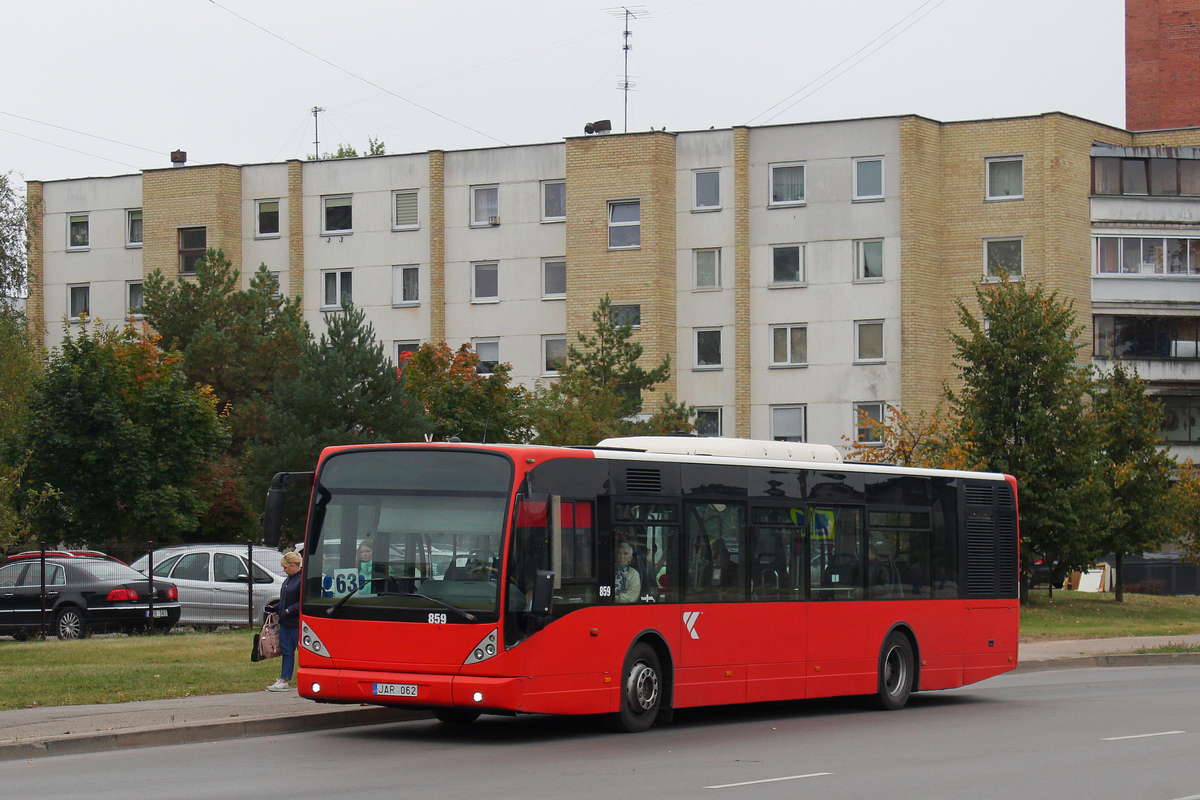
(316, 135)
(628, 12)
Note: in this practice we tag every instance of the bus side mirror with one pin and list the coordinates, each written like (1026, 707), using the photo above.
(543, 592)
(276, 498)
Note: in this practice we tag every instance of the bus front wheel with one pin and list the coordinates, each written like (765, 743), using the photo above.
(896, 672)
(641, 690)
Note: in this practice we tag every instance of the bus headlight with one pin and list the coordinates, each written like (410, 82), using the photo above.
(311, 642)
(486, 648)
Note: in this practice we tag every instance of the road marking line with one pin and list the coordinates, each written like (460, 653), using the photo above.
(769, 780)
(1189, 797)
(1144, 736)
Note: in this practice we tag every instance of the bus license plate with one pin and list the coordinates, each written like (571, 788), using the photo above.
(396, 689)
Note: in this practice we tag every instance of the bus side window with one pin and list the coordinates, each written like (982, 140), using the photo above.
(775, 554)
(837, 553)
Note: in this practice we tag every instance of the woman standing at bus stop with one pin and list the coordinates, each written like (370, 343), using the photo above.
(288, 609)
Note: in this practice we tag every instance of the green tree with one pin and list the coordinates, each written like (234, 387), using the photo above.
(1022, 410)
(19, 370)
(375, 147)
(121, 437)
(345, 392)
(13, 254)
(608, 356)
(1136, 471)
(237, 341)
(459, 401)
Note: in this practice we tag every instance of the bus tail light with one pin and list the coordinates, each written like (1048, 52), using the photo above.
(311, 642)
(484, 650)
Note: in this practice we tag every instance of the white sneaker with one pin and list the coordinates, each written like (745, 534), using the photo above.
(279, 686)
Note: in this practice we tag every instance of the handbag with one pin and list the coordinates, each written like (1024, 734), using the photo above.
(266, 641)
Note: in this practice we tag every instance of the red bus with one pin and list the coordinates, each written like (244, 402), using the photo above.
(646, 574)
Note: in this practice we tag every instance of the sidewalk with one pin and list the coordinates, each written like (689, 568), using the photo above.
(60, 730)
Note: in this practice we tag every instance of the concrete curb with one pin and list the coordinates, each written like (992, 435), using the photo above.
(1111, 660)
(102, 741)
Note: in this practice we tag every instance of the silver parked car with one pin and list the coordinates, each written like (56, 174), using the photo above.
(212, 580)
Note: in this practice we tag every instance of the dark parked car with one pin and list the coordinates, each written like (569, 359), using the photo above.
(83, 594)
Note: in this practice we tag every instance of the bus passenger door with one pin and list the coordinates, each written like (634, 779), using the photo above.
(713, 652)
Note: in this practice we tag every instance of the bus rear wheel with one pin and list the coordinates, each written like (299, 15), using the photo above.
(641, 690)
(455, 716)
(896, 672)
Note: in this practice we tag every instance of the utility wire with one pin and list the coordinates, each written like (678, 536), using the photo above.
(847, 59)
(367, 81)
(72, 149)
(82, 133)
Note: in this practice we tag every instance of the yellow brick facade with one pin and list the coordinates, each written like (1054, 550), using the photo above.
(295, 229)
(741, 280)
(191, 197)
(625, 167)
(437, 245)
(35, 302)
(946, 219)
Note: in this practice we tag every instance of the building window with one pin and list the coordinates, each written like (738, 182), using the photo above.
(554, 201)
(789, 345)
(867, 417)
(1006, 178)
(485, 282)
(1160, 177)
(1181, 415)
(1004, 258)
(404, 350)
(79, 299)
(338, 289)
(488, 351)
(192, 244)
(788, 423)
(707, 195)
(277, 277)
(77, 232)
(624, 224)
(708, 421)
(787, 264)
(266, 215)
(868, 178)
(406, 285)
(1144, 336)
(868, 260)
(1143, 255)
(554, 278)
(707, 268)
(404, 210)
(708, 348)
(485, 205)
(626, 314)
(134, 298)
(133, 227)
(554, 353)
(338, 214)
(868, 341)
(787, 184)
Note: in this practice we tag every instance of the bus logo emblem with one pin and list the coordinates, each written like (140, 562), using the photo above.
(689, 621)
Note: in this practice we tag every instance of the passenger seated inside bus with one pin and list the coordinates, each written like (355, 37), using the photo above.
(627, 583)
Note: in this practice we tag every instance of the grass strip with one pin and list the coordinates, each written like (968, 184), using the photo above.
(1092, 615)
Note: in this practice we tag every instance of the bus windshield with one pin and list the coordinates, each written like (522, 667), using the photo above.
(398, 532)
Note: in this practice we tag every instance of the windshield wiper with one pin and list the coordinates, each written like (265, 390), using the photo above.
(467, 615)
(341, 601)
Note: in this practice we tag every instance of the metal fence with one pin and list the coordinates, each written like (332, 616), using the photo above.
(1173, 577)
(125, 552)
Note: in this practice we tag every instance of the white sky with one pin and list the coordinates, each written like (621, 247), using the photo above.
(151, 76)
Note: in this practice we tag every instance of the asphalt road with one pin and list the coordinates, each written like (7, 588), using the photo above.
(1126, 733)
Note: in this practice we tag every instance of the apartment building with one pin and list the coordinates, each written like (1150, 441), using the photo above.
(797, 275)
